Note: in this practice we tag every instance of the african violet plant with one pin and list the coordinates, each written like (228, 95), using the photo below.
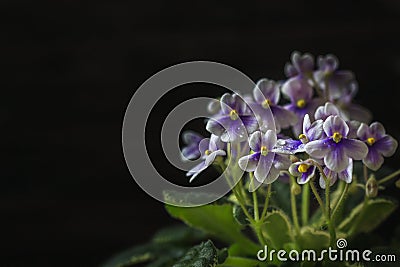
(313, 177)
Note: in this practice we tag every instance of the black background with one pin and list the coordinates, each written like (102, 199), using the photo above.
(69, 69)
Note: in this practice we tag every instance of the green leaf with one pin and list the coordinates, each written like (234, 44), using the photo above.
(277, 229)
(217, 220)
(239, 215)
(179, 234)
(364, 219)
(281, 199)
(146, 253)
(313, 239)
(203, 255)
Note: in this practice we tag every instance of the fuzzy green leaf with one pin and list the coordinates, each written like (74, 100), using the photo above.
(365, 219)
(217, 220)
(203, 255)
(313, 239)
(277, 229)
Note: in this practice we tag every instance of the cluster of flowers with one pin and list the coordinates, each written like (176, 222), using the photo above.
(315, 119)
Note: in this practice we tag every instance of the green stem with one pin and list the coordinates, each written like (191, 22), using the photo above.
(294, 207)
(255, 200)
(266, 203)
(317, 196)
(365, 172)
(340, 201)
(305, 204)
(329, 221)
(389, 177)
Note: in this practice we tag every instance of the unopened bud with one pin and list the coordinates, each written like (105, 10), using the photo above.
(293, 158)
(371, 188)
(295, 188)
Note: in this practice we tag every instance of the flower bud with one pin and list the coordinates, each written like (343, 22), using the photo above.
(295, 188)
(371, 188)
(293, 158)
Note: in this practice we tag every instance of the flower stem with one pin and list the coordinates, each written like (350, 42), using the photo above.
(255, 200)
(340, 201)
(317, 196)
(389, 177)
(266, 203)
(305, 204)
(294, 207)
(329, 221)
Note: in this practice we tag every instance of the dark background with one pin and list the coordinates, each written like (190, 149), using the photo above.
(69, 69)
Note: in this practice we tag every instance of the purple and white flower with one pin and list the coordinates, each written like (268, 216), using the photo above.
(336, 149)
(300, 94)
(379, 144)
(210, 148)
(328, 76)
(191, 150)
(303, 170)
(265, 164)
(266, 95)
(352, 110)
(300, 64)
(345, 175)
(235, 120)
(311, 131)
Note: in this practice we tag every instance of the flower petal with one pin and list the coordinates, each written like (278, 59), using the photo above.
(335, 124)
(386, 146)
(210, 158)
(249, 163)
(373, 160)
(266, 89)
(288, 146)
(353, 128)
(281, 162)
(331, 174)
(363, 132)
(190, 137)
(336, 160)
(255, 141)
(263, 167)
(355, 149)
(273, 174)
(297, 88)
(214, 127)
(325, 111)
(358, 113)
(191, 152)
(377, 130)
(347, 174)
(196, 170)
(317, 149)
(269, 139)
(283, 117)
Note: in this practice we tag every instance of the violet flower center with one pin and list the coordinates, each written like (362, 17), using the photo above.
(233, 115)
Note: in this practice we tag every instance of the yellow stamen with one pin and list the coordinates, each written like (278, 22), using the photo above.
(302, 168)
(207, 152)
(233, 115)
(337, 137)
(264, 150)
(266, 103)
(371, 141)
(301, 103)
